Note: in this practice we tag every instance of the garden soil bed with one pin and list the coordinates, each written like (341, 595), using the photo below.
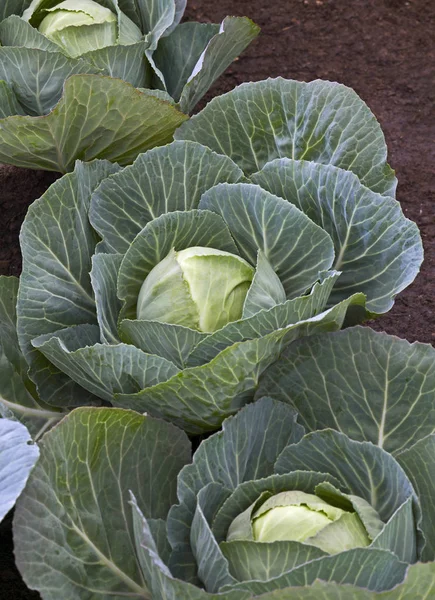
(385, 50)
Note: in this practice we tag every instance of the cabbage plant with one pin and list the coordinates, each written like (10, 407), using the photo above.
(60, 61)
(267, 508)
(171, 286)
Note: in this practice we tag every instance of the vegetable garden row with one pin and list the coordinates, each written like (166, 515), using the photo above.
(200, 282)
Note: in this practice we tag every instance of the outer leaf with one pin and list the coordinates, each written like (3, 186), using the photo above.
(19, 400)
(9, 104)
(419, 584)
(419, 464)
(245, 449)
(255, 560)
(162, 584)
(178, 53)
(177, 230)
(73, 526)
(367, 471)
(156, 17)
(78, 128)
(129, 8)
(13, 7)
(235, 35)
(17, 458)
(124, 62)
(296, 248)
(102, 369)
(104, 276)
(57, 243)
(14, 31)
(30, 72)
(319, 121)
(199, 398)
(174, 342)
(375, 570)
(161, 94)
(128, 31)
(18, 397)
(180, 7)
(213, 569)
(380, 260)
(371, 386)
(158, 528)
(400, 536)
(146, 547)
(165, 179)
(9, 346)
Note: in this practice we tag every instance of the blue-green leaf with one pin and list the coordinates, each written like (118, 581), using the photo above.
(234, 36)
(371, 386)
(77, 128)
(379, 260)
(73, 527)
(104, 277)
(17, 458)
(296, 248)
(419, 463)
(57, 243)
(18, 396)
(166, 179)
(105, 370)
(319, 121)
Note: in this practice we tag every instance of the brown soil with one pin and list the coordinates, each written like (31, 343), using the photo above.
(18, 189)
(385, 50)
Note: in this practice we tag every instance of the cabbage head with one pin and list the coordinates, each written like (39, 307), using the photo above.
(79, 26)
(60, 62)
(267, 508)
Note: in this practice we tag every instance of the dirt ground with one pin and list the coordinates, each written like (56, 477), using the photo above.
(385, 50)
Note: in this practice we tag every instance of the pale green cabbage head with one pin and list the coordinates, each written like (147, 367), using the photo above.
(200, 288)
(79, 26)
(300, 517)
